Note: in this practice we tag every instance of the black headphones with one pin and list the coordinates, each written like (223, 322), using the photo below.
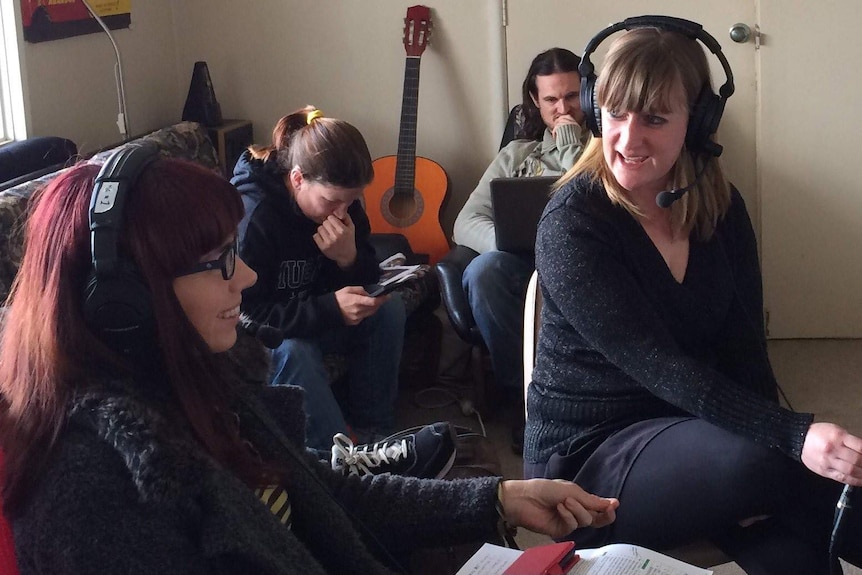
(707, 110)
(117, 303)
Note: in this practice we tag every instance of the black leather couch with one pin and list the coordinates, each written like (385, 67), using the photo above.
(28, 159)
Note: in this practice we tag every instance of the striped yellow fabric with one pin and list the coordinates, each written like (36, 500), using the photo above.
(275, 498)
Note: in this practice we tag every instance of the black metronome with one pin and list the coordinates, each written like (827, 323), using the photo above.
(201, 104)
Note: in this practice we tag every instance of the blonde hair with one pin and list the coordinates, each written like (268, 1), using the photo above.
(643, 71)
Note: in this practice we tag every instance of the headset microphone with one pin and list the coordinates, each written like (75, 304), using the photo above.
(269, 336)
(666, 199)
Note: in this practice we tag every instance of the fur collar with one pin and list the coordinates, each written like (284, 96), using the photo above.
(164, 463)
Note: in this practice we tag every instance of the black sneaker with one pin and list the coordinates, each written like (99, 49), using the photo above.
(425, 452)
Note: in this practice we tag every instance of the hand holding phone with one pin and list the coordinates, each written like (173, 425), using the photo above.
(377, 290)
(392, 278)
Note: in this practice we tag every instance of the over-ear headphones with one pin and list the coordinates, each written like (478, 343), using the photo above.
(117, 303)
(708, 108)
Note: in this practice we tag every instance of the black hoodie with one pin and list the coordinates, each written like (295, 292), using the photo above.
(296, 285)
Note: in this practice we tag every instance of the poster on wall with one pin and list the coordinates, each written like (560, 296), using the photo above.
(45, 20)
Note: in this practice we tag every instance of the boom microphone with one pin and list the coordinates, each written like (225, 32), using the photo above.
(269, 336)
(665, 199)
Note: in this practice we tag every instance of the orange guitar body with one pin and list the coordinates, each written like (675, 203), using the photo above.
(408, 192)
(416, 215)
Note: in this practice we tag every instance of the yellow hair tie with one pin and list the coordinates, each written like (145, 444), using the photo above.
(309, 118)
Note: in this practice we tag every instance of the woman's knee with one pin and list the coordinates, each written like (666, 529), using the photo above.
(293, 353)
(752, 466)
(389, 317)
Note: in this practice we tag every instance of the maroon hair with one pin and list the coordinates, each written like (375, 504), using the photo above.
(175, 212)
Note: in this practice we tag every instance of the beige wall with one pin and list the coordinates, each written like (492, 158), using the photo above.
(272, 56)
(347, 58)
(69, 87)
(269, 57)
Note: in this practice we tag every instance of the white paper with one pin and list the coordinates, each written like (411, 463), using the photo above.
(396, 274)
(489, 560)
(617, 559)
(622, 559)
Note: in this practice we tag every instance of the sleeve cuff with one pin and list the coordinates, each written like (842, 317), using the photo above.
(568, 135)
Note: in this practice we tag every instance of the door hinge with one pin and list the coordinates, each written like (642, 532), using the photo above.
(504, 9)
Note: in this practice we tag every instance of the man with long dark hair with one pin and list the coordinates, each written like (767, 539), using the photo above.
(549, 143)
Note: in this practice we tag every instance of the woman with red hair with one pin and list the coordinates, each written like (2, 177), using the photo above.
(159, 453)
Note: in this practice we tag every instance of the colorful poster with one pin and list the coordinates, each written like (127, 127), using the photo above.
(54, 19)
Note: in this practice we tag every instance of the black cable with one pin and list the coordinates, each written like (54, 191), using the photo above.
(842, 509)
(761, 343)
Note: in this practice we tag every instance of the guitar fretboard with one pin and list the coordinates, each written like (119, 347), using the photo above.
(405, 166)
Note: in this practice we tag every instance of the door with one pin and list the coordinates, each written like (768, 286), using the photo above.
(809, 167)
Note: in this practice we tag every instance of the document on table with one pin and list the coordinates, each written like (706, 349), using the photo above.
(623, 559)
(616, 559)
(489, 560)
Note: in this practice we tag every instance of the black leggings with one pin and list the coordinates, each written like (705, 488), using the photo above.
(695, 481)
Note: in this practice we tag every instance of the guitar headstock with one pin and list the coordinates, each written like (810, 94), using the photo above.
(417, 30)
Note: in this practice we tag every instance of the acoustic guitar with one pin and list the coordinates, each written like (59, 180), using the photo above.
(407, 193)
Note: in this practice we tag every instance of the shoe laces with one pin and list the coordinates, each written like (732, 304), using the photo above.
(363, 459)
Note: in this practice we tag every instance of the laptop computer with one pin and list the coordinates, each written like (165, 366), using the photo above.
(518, 204)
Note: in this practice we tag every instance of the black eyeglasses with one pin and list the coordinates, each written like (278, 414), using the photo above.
(226, 262)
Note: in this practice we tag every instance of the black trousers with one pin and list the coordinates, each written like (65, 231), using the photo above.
(692, 480)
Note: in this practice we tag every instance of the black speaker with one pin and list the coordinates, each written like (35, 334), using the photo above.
(117, 305)
(707, 110)
(201, 104)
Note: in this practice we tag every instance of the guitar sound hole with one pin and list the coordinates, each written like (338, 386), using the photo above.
(402, 209)
(402, 206)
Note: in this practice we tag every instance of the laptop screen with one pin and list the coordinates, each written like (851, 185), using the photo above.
(518, 204)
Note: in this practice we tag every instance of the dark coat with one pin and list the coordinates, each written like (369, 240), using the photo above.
(126, 493)
(622, 341)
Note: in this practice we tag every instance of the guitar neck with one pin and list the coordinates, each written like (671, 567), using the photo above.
(405, 167)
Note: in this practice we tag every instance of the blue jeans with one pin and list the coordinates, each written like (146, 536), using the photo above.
(373, 350)
(496, 285)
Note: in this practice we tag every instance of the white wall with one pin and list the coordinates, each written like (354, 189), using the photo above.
(270, 57)
(69, 87)
(347, 58)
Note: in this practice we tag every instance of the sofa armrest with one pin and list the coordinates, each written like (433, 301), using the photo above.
(449, 271)
(28, 159)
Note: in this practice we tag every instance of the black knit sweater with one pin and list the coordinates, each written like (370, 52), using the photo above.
(622, 341)
(124, 491)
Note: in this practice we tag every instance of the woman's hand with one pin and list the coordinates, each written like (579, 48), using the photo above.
(830, 451)
(554, 507)
(355, 304)
(336, 239)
